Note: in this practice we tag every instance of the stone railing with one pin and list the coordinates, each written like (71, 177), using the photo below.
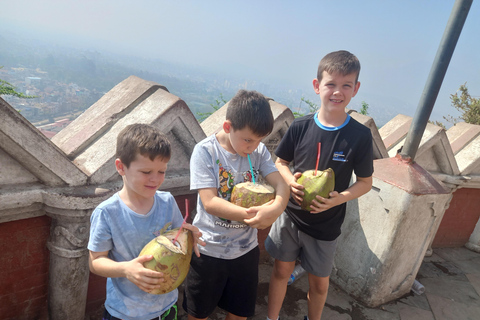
(65, 178)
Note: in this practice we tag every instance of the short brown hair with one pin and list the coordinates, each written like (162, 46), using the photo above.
(142, 139)
(250, 109)
(341, 62)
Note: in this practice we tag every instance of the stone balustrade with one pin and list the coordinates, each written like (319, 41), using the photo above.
(65, 178)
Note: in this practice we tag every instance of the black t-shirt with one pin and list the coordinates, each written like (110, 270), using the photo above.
(345, 149)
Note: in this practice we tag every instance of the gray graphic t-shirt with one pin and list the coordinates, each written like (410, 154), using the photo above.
(211, 166)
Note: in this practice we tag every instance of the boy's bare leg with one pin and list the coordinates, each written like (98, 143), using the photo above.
(231, 316)
(278, 286)
(317, 295)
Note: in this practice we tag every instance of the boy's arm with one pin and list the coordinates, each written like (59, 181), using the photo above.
(290, 179)
(267, 214)
(359, 188)
(221, 208)
(133, 270)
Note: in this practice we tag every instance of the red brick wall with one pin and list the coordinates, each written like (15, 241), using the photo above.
(459, 220)
(24, 261)
(97, 291)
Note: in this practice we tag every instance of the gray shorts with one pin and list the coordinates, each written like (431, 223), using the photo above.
(286, 243)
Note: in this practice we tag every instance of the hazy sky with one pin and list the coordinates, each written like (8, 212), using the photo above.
(276, 41)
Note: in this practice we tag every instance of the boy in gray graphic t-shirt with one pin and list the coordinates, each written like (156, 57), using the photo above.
(226, 274)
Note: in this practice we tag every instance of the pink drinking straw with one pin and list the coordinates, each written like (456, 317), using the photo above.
(318, 157)
(184, 220)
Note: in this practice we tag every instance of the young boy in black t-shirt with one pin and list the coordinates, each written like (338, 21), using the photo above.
(346, 147)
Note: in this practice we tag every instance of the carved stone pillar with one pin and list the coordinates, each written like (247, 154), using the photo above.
(68, 273)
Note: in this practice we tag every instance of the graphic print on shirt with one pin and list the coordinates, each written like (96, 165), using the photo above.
(247, 175)
(339, 156)
(227, 183)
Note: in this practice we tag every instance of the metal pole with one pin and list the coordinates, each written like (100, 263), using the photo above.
(435, 78)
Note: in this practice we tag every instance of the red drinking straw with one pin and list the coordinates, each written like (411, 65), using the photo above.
(318, 157)
(184, 220)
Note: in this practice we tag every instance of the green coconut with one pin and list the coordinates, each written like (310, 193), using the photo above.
(316, 185)
(249, 194)
(173, 260)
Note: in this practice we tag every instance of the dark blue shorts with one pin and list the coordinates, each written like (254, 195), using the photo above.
(228, 284)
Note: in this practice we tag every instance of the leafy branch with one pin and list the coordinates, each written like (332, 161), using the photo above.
(219, 102)
(468, 106)
(312, 108)
(364, 109)
(8, 89)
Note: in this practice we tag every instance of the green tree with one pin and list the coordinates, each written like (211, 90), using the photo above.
(468, 106)
(8, 89)
(364, 109)
(312, 108)
(438, 123)
(219, 102)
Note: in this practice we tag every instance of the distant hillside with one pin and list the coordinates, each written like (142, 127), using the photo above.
(198, 87)
(89, 69)
(101, 71)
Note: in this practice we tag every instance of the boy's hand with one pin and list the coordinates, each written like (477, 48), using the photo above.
(196, 237)
(321, 204)
(296, 188)
(263, 216)
(144, 278)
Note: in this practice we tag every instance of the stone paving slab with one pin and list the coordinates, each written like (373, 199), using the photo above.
(450, 268)
(416, 301)
(333, 315)
(433, 258)
(380, 313)
(474, 281)
(452, 289)
(456, 254)
(471, 266)
(448, 309)
(338, 300)
(439, 269)
(412, 313)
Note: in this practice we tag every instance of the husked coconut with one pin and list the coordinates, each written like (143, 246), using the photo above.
(249, 194)
(321, 184)
(173, 260)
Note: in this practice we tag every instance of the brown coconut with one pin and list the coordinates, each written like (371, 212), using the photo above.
(170, 259)
(249, 194)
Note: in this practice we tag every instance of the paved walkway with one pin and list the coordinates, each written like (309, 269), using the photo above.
(451, 277)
